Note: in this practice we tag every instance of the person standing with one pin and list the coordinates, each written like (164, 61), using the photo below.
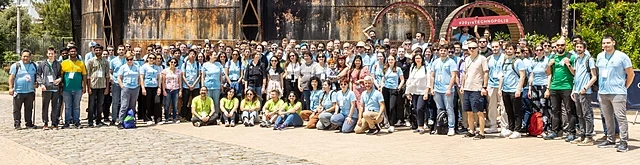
(561, 71)
(538, 83)
(417, 91)
(255, 75)
(393, 80)
(615, 69)
(150, 74)
(474, 87)
(98, 77)
(114, 66)
(190, 85)
(74, 75)
(212, 74)
(22, 87)
(512, 80)
(129, 81)
(444, 77)
(494, 101)
(585, 72)
(48, 77)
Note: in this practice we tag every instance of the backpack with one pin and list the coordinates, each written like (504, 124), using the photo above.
(513, 67)
(442, 123)
(129, 121)
(594, 87)
(536, 125)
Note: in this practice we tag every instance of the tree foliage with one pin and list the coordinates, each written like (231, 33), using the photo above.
(8, 25)
(56, 20)
(618, 19)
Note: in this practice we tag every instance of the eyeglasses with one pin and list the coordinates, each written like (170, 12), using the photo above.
(538, 50)
(158, 58)
(129, 59)
(234, 54)
(250, 94)
(559, 45)
(546, 45)
(274, 60)
(344, 84)
(495, 46)
(518, 52)
(173, 62)
(482, 41)
(472, 48)
(297, 48)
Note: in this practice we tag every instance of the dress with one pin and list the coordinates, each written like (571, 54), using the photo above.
(274, 80)
(356, 75)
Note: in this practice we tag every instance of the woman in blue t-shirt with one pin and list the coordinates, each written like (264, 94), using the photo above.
(191, 83)
(129, 81)
(392, 80)
(314, 87)
(212, 79)
(150, 73)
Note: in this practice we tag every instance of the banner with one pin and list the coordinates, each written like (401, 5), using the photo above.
(633, 93)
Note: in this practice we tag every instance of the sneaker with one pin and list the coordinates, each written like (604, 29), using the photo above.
(607, 144)
(112, 123)
(160, 123)
(491, 130)
(398, 124)
(77, 126)
(577, 140)
(478, 137)
(31, 127)
(505, 133)
(570, 138)
(197, 124)
(263, 124)
(603, 138)
(515, 135)
(391, 129)
(120, 126)
(53, 127)
(226, 124)
(451, 132)
(375, 131)
(586, 142)
(233, 123)
(551, 136)
(623, 147)
(149, 122)
(45, 127)
(100, 124)
(176, 121)
(91, 126)
(430, 122)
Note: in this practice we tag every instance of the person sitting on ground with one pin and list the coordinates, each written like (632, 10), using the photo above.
(372, 104)
(347, 115)
(290, 115)
(327, 107)
(229, 107)
(203, 110)
(249, 107)
(271, 108)
(311, 115)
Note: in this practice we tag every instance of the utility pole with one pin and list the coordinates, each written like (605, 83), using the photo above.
(18, 27)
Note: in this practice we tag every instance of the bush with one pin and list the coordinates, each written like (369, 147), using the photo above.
(618, 19)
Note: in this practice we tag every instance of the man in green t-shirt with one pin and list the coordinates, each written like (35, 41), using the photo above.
(203, 110)
(561, 71)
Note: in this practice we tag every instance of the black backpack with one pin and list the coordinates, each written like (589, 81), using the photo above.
(594, 87)
(442, 123)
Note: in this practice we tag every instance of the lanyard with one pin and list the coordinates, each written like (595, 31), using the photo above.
(608, 59)
(472, 60)
(442, 62)
(370, 95)
(49, 66)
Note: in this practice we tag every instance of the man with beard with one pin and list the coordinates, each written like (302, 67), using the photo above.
(74, 75)
(114, 66)
(494, 101)
(561, 71)
(97, 80)
(484, 50)
(22, 84)
(463, 35)
(372, 106)
(420, 42)
(585, 77)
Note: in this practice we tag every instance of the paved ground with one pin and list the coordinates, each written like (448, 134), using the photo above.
(184, 144)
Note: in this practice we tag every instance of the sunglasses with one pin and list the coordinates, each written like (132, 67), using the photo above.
(518, 52)
(297, 48)
(129, 59)
(538, 50)
(546, 45)
(274, 60)
(472, 48)
(234, 54)
(250, 94)
(559, 45)
(173, 62)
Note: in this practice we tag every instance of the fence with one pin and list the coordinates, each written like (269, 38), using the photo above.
(38, 46)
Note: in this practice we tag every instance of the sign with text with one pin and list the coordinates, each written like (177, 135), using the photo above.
(488, 20)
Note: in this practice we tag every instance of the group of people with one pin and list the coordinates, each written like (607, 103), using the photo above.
(453, 86)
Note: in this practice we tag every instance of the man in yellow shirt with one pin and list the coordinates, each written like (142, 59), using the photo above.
(203, 110)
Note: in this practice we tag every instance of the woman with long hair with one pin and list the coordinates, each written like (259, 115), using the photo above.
(322, 68)
(356, 73)
(328, 106)
(292, 73)
(150, 73)
(417, 90)
(191, 83)
(377, 69)
(171, 83)
(234, 72)
(249, 107)
(212, 79)
(347, 114)
(256, 75)
(229, 107)
(392, 81)
(275, 75)
(310, 114)
(291, 114)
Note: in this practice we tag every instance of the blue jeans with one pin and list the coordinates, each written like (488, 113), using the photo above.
(307, 99)
(340, 120)
(526, 108)
(171, 100)
(215, 96)
(115, 104)
(72, 106)
(238, 87)
(257, 89)
(129, 97)
(446, 102)
(290, 120)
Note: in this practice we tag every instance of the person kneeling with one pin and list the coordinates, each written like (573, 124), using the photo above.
(271, 109)
(372, 104)
(203, 110)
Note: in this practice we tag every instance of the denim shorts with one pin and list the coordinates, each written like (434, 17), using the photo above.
(473, 101)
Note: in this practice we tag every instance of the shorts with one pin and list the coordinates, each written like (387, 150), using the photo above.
(473, 101)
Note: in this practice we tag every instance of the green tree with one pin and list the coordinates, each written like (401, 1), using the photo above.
(8, 25)
(618, 19)
(55, 14)
(5, 3)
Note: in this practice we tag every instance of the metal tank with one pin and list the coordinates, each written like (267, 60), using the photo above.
(346, 20)
(189, 21)
(92, 25)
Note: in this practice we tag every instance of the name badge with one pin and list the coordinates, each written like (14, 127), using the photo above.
(605, 73)
(500, 75)
(71, 75)
(495, 75)
(49, 78)
(440, 78)
(323, 76)
(27, 78)
(341, 102)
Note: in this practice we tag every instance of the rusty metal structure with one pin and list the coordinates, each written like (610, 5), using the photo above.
(143, 22)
